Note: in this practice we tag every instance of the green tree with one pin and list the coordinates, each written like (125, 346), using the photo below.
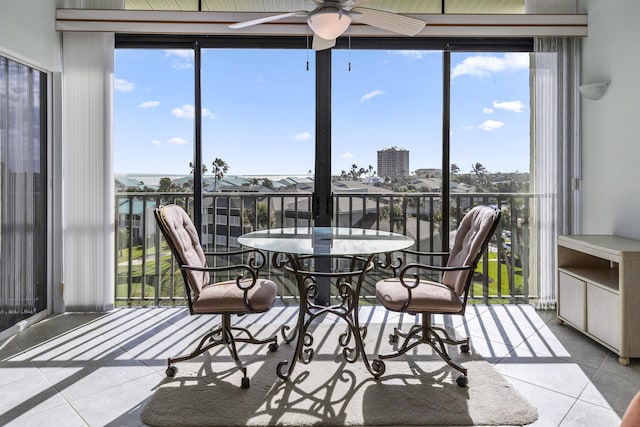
(395, 215)
(204, 168)
(266, 182)
(220, 168)
(123, 239)
(481, 176)
(165, 185)
(260, 217)
(354, 172)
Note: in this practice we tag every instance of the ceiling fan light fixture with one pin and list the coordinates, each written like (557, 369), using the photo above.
(329, 22)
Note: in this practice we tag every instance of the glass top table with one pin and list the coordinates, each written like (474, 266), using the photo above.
(329, 241)
(315, 256)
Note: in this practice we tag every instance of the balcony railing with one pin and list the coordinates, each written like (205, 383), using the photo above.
(146, 273)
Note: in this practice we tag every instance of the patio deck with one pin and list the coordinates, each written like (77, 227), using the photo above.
(99, 369)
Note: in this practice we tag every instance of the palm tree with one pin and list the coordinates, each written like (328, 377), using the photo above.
(481, 174)
(204, 168)
(220, 167)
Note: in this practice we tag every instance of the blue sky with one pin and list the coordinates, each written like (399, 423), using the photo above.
(259, 110)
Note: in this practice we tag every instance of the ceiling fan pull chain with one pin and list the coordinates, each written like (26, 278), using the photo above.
(349, 35)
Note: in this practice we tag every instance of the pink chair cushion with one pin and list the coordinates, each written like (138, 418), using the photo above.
(226, 297)
(427, 296)
(446, 297)
(221, 297)
(186, 241)
(472, 233)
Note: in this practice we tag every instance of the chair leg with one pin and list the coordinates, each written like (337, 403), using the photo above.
(436, 337)
(226, 338)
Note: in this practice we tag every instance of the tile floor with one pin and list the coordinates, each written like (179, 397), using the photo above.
(99, 369)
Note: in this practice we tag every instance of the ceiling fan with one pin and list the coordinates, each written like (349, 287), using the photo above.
(331, 18)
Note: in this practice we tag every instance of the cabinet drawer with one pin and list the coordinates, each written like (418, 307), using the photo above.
(603, 315)
(572, 299)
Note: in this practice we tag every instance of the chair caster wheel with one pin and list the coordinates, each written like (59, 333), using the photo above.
(245, 382)
(273, 347)
(378, 367)
(462, 381)
(464, 348)
(393, 338)
(171, 371)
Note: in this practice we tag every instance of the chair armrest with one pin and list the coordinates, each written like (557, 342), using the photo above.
(411, 269)
(396, 264)
(248, 268)
(424, 253)
(256, 262)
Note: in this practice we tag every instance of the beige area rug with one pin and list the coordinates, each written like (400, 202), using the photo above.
(418, 389)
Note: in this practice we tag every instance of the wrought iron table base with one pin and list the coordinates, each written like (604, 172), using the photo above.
(348, 284)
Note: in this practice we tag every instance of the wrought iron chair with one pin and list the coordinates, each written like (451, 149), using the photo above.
(408, 292)
(246, 293)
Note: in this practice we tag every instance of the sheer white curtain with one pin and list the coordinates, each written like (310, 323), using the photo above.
(87, 178)
(86, 166)
(556, 136)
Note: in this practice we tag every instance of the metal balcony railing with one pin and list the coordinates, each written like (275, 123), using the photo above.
(146, 273)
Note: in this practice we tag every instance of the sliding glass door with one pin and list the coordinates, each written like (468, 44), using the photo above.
(387, 141)
(23, 207)
(403, 135)
(491, 158)
(258, 137)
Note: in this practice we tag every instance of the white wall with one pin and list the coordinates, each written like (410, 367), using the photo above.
(611, 141)
(27, 33)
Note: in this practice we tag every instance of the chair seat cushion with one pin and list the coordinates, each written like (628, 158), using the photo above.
(227, 297)
(428, 296)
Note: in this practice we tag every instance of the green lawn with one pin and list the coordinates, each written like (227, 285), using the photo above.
(163, 276)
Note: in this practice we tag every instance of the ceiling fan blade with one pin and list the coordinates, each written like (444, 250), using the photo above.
(389, 21)
(265, 19)
(321, 44)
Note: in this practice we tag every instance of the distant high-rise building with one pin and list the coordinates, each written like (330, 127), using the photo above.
(393, 161)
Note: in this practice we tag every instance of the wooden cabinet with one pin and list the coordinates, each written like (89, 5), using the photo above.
(599, 290)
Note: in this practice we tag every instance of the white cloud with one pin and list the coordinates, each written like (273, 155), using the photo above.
(515, 106)
(302, 136)
(490, 125)
(412, 54)
(121, 85)
(179, 53)
(371, 95)
(207, 113)
(346, 155)
(177, 141)
(187, 111)
(488, 110)
(149, 104)
(485, 65)
(182, 65)
(182, 58)
(156, 142)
